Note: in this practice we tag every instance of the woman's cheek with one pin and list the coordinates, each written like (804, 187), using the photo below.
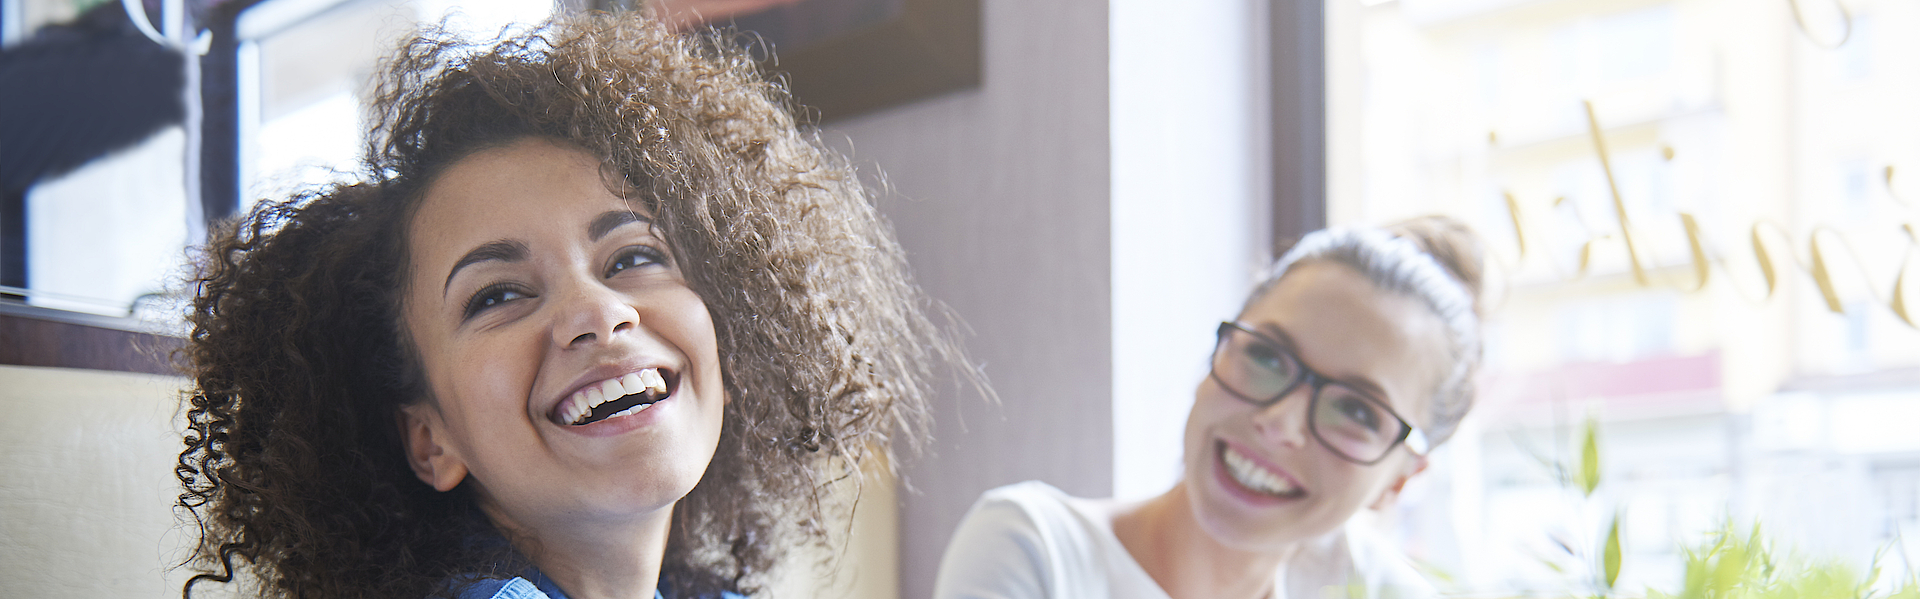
(1203, 420)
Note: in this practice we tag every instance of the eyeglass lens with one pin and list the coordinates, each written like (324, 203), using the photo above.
(1344, 420)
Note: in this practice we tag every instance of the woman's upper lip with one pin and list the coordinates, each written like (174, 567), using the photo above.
(598, 374)
(1262, 460)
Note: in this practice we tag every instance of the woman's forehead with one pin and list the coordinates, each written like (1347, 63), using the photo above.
(524, 184)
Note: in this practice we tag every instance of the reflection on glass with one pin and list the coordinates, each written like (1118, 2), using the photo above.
(308, 81)
(1716, 401)
(111, 231)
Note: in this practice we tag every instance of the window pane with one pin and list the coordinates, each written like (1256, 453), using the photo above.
(309, 83)
(1608, 150)
(111, 231)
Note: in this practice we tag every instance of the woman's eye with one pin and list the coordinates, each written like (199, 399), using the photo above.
(1357, 410)
(1265, 356)
(635, 257)
(492, 296)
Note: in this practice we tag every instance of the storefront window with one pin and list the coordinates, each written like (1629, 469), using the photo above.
(1703, 213)
(306, 76)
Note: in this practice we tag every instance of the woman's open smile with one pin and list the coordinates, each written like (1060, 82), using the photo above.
(626, 395)
(1253, 479)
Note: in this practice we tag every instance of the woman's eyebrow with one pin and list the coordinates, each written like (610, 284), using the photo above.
(613, 219)
(1275, 333)
(503, 250)
(1365, 386)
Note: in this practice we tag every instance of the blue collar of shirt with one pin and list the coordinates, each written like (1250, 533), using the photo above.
(532, 585)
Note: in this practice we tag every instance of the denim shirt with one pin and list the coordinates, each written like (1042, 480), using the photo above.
(519, 587)
(532, 585)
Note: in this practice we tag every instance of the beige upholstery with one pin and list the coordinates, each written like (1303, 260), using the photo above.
(86, 484)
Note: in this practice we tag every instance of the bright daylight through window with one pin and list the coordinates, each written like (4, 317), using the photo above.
(1704, 212)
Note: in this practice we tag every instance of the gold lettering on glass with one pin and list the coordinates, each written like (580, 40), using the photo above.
(1703, 255)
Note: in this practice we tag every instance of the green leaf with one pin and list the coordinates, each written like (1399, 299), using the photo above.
(1590, 457)
(1610, 556)
(1552, 565)
(1907, 590)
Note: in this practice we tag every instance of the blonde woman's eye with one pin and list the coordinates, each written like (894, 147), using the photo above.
(636, 257)
(490, 297)
(1267, 357)
(1357, 411)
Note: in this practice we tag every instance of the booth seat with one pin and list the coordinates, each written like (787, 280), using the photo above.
(87, 486)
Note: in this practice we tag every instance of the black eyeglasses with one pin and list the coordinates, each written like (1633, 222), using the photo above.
(1353, 424)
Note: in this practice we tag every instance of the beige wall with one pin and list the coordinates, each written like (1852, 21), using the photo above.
(1001, 198)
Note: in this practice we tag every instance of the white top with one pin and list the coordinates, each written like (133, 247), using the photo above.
(1032, 541)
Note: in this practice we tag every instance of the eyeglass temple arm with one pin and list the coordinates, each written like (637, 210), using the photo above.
(1417, 441)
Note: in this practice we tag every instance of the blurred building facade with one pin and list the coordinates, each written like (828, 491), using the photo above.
(1651, 176)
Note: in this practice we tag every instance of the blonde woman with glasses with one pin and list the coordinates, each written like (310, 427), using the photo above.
(1344, 369)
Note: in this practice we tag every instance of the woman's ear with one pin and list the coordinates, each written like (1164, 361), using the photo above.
(433, 460)
(1392, 492)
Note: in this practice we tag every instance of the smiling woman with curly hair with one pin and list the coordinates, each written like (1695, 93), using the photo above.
(600, 319)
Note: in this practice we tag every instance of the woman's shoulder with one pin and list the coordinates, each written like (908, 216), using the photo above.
(1032, 540)
(1030, 495)
(1384, 566)
(1360, 562)
(1028, 510)
(1038, 511)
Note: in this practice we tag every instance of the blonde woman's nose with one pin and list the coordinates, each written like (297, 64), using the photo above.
(1284, 422)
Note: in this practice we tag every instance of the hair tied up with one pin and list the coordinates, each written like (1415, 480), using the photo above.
(1433, 259)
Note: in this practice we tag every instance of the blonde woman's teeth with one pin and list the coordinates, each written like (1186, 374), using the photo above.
(648, 384)
(1254, 476)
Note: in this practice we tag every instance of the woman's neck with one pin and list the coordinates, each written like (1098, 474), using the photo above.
(1184, 560)
(597, 561)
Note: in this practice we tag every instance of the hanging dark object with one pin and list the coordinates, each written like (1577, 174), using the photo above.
(78, 91)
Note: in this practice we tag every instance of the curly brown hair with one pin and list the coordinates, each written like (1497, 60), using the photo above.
(299, 362)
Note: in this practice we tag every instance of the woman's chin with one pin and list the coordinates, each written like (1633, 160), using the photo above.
(1241, 519)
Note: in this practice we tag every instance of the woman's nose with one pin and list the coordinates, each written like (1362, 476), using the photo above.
(1284, 422)
(590, 313)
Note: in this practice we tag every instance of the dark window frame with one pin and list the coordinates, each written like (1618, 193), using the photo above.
(1297, 69)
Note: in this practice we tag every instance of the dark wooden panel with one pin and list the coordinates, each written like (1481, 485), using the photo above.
(13, 238)
(931, 48)
(1298, 59)
(31, 341)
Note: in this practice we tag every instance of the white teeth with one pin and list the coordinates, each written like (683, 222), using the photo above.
(1255, 476)
(584, 401)
(651, 381)
(631, 411)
